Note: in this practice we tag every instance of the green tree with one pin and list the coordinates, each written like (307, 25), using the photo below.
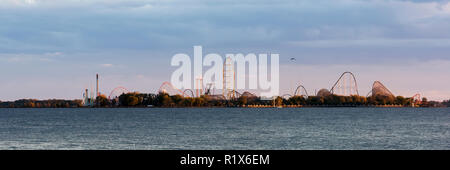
(401, 100)
(132, 101)
(167, 101)
(297, 100)
(242, 100)
(178, 100)
(198, 101)
(278, 101)
(102, 101)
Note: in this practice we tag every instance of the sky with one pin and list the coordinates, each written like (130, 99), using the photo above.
(53, 48)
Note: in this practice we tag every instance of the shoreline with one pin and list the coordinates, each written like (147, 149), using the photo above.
(205, 107)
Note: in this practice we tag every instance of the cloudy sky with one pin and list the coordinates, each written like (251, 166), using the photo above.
(53, 48)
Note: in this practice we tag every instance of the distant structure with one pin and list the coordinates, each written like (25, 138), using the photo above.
(301, 91)
(229, 77)
(248, 95)
(185, 93)
(378, 89)
(208, 88)
(199, 86)
(116, 92)
(228, 90)
(217, 97)
(167, 87)
(88, 100)
(323, 93)
(286, 96)
(346, 85)
(96, 90)
(416, 100)
(209, 92)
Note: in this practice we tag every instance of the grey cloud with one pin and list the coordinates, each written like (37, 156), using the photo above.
(147, 24)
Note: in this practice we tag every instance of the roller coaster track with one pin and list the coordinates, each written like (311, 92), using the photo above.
(188, 90)
(162, 89)
(296, 92)
(286, 96)
(124, 90)
(341, 85)
(379, 88)
(416, 99)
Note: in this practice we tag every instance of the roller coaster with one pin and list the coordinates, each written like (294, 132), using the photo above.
(167, 87)
(378, 89)
(346, 85)
(416, 100)
(117, 92)
(298, 91)
(188, 90)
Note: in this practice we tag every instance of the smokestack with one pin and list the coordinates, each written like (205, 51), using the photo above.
(86, 97)
(97, 88)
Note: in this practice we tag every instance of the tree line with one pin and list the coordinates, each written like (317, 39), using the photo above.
(135, 99)
(33, 103)
(446, 103)
(166, 100)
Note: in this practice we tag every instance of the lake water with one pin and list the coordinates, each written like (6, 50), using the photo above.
(226, 128)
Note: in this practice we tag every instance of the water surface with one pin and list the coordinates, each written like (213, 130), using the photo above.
(226, 128)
